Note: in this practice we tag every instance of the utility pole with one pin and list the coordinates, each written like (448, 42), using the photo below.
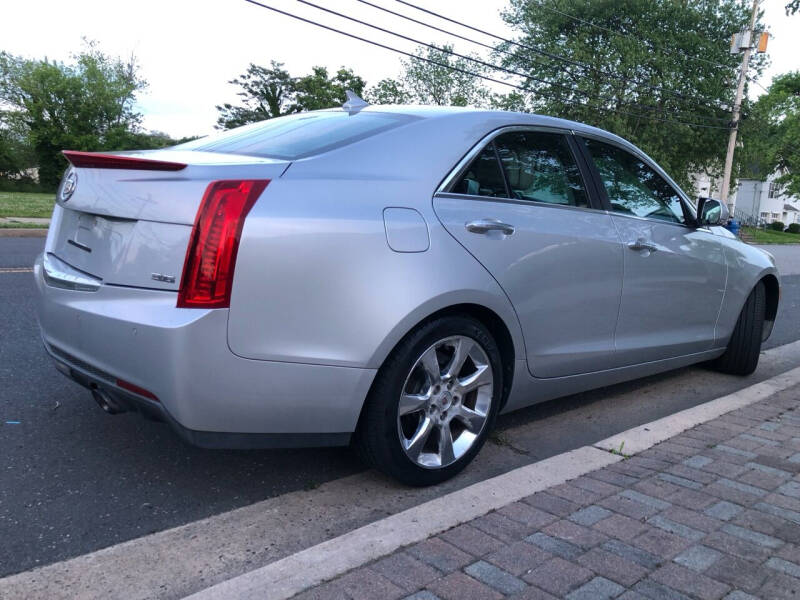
(748, 38)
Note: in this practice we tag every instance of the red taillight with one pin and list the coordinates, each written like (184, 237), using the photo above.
(131, 387)
(98, 160)
(211, 257)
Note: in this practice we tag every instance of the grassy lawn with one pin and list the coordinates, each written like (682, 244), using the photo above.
(761, 236)
(26, 204)
(21, 226)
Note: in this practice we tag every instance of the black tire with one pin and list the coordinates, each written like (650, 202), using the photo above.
(377, 440)
(744, 347)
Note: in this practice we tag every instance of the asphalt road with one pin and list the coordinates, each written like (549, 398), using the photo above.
(74, 480)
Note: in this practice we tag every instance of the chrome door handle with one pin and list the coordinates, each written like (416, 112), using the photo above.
(642, 244)
(487, 225)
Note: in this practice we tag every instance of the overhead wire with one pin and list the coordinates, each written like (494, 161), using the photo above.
(466, 71)
(537, 50)
(540, 52)
(492, 66)
(543, 4)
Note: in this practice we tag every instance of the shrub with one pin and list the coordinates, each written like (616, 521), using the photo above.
(23, 184)
(794, 228)
(777, 225)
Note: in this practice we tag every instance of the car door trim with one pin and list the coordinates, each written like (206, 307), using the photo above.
(461, 166)
(530, 203)
(443, 191)
(688, 207)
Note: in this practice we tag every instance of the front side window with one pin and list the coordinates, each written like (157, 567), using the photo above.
(540, 167)
(633, 188)
(483, 176)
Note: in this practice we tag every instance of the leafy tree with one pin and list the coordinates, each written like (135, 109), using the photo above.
(266, 93)
(514, 101)
(388, 91)
(792, 7)
(87, 105)
(271, 92)
(444, 83)
(636, 68)
(316, 90)
(16, 153)
(151, 140)
(434, 76)
(771, 137)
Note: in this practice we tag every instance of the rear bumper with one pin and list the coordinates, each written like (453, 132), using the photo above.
(210, 396)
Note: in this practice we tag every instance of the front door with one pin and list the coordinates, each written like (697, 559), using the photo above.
(675, 273)
(522, 208)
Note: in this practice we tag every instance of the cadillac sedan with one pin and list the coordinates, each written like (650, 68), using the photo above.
(391, 277)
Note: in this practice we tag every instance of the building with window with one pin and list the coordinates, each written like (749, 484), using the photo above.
(755, 199)
(766, 201)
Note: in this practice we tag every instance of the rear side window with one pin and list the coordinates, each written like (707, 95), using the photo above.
(483, 176)
(298, 135)
(540, 167)
(633, 188)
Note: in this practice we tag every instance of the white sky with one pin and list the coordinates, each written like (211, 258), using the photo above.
(189, 49)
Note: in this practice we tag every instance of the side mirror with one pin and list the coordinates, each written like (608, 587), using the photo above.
(711, 212)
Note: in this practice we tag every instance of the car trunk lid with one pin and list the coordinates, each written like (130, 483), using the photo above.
(129, 218)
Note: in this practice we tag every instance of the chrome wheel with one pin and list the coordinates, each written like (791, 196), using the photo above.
(445, 402)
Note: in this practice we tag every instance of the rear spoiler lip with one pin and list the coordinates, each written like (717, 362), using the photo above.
(99, 160)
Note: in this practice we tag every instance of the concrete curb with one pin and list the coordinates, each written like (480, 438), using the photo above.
(646, 436)
(293, 574)
(23, 232)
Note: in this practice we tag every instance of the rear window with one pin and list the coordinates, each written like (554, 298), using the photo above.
(298, 135)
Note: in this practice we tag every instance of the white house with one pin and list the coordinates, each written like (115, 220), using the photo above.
(766, 201)
(755, 199)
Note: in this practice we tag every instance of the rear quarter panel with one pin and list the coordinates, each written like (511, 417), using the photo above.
(316, 281)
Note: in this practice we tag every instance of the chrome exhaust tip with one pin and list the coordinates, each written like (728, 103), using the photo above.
(105, 402)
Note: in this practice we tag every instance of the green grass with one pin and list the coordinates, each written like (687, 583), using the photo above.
(768, 236)
(21, 226)
(26, 204)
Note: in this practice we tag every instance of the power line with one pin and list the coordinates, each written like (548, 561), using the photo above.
(429, 26)
(627, 35)
(482, 62)
(751, 80)
(545, 53)
(465, 71)
(434, 47)
(380, 45)
(542, 53)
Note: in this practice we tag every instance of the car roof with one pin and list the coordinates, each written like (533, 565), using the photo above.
(503, 118)
(475, 115)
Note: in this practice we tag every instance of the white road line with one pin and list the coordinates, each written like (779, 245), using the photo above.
(293, 574)
(16, 270)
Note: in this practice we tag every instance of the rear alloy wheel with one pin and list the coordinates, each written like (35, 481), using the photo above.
(433, 402)
(744, 347)
(445, 402)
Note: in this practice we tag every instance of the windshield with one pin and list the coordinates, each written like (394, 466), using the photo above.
(298, 135)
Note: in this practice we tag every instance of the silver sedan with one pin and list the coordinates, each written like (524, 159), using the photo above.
(392, 277)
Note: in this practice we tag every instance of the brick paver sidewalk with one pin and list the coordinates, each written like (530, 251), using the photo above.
(711, 513)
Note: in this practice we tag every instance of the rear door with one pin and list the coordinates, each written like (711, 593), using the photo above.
(521, 205)
(675, 273)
